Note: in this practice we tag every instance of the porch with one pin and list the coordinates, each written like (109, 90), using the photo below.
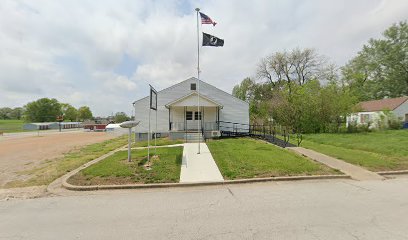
(185, 115)
(185, 119)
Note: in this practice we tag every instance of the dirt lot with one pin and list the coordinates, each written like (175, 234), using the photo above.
(24, 152)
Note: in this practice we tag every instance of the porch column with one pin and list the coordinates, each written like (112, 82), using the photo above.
(218, 118)
(169, 120)
(185, 121)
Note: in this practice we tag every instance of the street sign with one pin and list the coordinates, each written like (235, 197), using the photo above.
(153, 98)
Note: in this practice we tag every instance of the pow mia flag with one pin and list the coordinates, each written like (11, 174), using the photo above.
(209, 40)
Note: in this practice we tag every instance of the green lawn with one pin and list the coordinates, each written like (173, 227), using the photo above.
(159, 142)
(52, 169)
(117, 170)
(8, 126)
(376, 151)
(248, 158)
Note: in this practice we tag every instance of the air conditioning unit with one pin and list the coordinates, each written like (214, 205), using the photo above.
(215, 133)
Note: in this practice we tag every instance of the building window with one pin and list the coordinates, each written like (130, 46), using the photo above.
(197, 115)
(193, 86)
(365, 118)
(189, 115)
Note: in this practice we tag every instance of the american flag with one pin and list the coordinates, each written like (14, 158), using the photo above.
(206, 19)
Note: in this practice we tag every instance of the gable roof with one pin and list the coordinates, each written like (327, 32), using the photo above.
(201, 82)
(191, 94)
(383, 104)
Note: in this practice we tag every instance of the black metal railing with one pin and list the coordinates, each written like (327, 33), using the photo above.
(273, 133)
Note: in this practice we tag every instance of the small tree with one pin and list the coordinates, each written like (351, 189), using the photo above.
(121, 117)
(84, 113)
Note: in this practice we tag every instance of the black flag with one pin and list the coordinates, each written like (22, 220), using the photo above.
(209, 40)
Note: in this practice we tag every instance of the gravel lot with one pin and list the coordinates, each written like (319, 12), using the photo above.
(20, 152)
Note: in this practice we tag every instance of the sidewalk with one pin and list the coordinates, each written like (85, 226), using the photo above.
(198, 167)
(355, 172)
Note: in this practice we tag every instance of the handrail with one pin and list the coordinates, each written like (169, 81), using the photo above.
(202, 133)
(235, 123)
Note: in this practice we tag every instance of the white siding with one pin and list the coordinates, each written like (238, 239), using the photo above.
(401, 110)
(234, 109)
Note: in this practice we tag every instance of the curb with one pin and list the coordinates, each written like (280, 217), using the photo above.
(398, 172)
(71, 187)
(57, 183)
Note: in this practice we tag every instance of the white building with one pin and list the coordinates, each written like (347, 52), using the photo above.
(372, 111)
(178, 113)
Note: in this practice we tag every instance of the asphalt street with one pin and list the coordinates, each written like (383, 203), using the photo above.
(313, 209)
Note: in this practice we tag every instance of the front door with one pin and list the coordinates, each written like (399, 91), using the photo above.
(193, 119)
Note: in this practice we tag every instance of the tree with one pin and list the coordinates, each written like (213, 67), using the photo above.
(69, 112)
(244, 90)
(42, 110)
(5, 113)
(84, 113)
(121, 117)
(295, 67)
(16, 113)
(380, 69)
(312, 107)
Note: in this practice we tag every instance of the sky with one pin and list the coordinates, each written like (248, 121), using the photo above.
(105, 53)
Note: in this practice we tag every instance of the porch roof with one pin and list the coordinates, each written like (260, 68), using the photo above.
(190, 100)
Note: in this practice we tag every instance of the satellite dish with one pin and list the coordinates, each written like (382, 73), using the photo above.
(129, 124)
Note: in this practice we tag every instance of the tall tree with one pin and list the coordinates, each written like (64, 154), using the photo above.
(70, 113)
(295, 67)
(42, 110)
(84, 113)
(380, 69)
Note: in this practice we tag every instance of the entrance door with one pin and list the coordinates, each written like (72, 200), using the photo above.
(193, 118)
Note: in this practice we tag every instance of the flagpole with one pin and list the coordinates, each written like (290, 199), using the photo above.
(198, 82)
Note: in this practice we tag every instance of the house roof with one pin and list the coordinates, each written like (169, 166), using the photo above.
(191, 94)
(192, 78)
(383, 104)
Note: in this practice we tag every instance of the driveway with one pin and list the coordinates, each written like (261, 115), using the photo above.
(329, 209)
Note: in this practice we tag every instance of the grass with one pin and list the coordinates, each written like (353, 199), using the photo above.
(376, 151)
(117, 170)
(249, 158)
(8, 126)
(159, 142)
(53, 169)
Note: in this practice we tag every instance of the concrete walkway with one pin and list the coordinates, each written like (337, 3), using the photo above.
(353, 171)
(161, 146)
(198, 167)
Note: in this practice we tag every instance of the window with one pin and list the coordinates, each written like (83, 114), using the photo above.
(365, 118)
(197, 115)
(193, 86)
(189, 115)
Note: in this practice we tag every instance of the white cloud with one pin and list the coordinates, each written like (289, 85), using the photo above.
(70, 49)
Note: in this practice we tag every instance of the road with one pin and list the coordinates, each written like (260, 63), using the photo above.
(328, 209)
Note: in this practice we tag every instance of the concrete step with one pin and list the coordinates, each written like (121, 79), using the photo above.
(194, 137)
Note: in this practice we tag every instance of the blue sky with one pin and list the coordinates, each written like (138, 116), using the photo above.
(105, 53)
